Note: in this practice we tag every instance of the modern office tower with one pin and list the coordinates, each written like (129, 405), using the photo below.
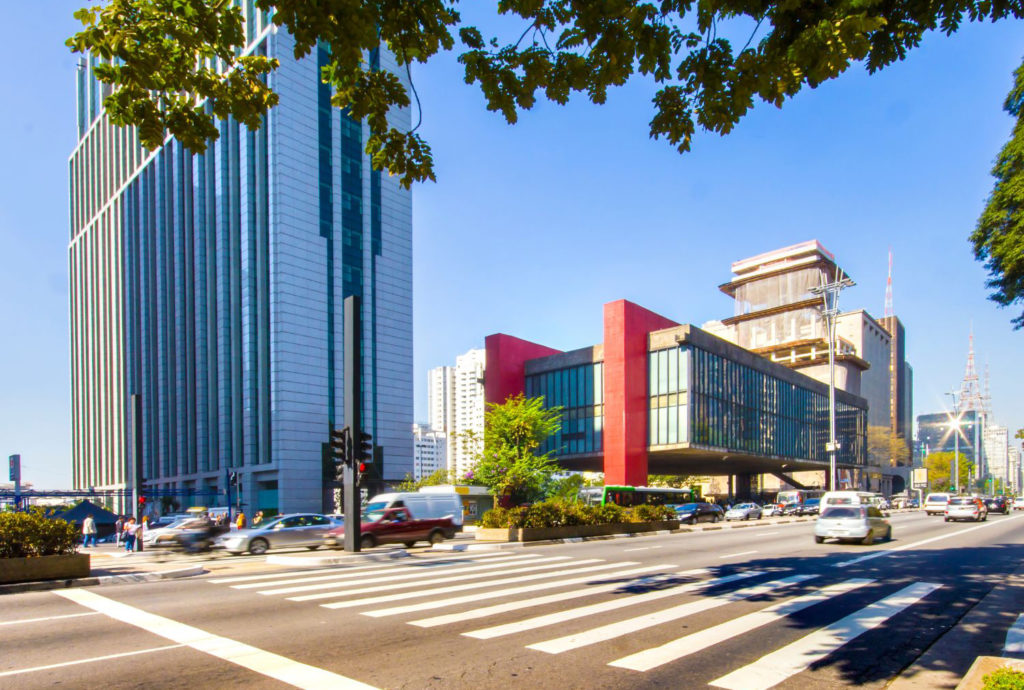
(212, 285)
(936, 433)
(996, 442)
(901, 379)
(429, 449)
(1013, 463)
(441, 398)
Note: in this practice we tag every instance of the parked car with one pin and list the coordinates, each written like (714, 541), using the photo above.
(863, 523)
(1018, 503)
(966, 508)
(394, 526)
(913, 503)
(286, 531)
(997, 504)
(935, 504)
(792, 509)
(744, 511)
(812, 506)
(771, 510)
(692, 513)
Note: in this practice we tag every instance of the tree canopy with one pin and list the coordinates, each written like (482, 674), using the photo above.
(940, 471)
(176, 65)
(999, 236)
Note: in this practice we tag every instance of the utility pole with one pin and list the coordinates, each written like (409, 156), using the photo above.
(353, 401)
(135, 401)
(15, 476)
(830, 310)
(956, 441)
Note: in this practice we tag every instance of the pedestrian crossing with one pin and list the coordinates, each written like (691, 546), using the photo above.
(654, 616)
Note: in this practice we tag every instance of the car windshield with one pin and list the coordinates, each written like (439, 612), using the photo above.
(937, 499)
(743, 506)
(686, 508)
(842, 512)
(371, 514)
(813, 501)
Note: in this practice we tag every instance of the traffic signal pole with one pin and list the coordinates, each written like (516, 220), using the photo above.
(136, 454)
(353, 420)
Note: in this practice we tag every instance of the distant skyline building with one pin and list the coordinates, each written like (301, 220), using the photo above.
(429, 451)
(212, 286)
(996, 443)
(935, 433)
(455, 400)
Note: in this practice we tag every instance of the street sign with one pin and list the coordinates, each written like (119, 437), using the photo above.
(15, 468)
(919, 477)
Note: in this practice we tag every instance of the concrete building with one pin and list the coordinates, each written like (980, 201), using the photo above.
(441, 399)
(1013, 463)
(662, 397)
(996, 441)
(212, 285)
(429, 451)
(455, 398)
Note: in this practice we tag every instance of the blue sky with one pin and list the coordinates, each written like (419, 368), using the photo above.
(531, 228)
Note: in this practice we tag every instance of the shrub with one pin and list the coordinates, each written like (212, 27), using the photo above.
(33, 534)
(1003, 679)
(559, 513)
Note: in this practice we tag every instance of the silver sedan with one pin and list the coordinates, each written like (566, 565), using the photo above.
(286, 531)
(744, 511)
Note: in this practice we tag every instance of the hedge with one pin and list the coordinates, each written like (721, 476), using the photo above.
(32, 534)
(563, 514)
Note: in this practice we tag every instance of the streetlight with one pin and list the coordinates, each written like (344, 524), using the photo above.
(955, 424)
(830, 310)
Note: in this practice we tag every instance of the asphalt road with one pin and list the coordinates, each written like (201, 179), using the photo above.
(741, 608)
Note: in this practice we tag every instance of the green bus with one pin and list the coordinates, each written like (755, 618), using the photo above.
(627, 496)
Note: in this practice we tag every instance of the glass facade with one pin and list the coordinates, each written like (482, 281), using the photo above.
(732, 406)
(580, 391)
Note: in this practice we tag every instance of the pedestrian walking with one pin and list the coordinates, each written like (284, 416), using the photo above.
(118, 528)
(89, 530)
(130, 529)
(240, 522)
(257, 518)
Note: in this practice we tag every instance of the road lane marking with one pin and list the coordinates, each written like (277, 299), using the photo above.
(612, 605)
(642, 548)
(631, 625)
(691, 644)
(741, 553)
(35, 669)
(886, 552)
(516, 605)
(472, 585)
(49, 618)
(766, 534)
(396, 580)
(261, 661)
(776, 667)
(1014, 645)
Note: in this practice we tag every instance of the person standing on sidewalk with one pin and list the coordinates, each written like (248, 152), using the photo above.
(240, 523)
(129, 534)
(89, 530)
(118, 528)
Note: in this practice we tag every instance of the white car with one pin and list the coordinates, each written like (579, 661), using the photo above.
(935, 504)
(744, 511)
(852, 523)
(1018, 503)
(966, 508)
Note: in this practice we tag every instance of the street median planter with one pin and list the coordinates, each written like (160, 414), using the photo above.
(44, 568)
(576, 531)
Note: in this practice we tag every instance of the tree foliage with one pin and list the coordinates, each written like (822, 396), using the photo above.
(513, 431)
(999, 236)
(940, 470)
(162, 55)
(438, 477)
(886, 448)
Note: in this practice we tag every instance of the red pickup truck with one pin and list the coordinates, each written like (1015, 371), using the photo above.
(395, 526)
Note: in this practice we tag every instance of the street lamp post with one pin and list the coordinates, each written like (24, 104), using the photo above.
(830, 310)
(956, 441)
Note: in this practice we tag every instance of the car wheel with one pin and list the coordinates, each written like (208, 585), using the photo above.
(313, 547)
(258, 547)
(410, 544)
(714, 519)
(946, 519)
(819, 540)
(868, 539)
(367, 542)
(436, 537)
(888, 535)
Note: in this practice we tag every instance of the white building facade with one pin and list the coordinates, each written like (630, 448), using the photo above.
(996, 443)
(429, 451)
(455, 399)
(212, 286)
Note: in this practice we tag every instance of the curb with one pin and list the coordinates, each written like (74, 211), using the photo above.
(316, 561)
(101, 580)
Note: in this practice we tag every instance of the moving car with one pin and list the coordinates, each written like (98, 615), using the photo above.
(1018, 503)
(792, 509)
(692, 513)
(394, 526)
(966, 508)
(167, 535)
(422, 504)
(863, 523)
(997, 504)
(286, 531)
(744, 511)
(935, 504)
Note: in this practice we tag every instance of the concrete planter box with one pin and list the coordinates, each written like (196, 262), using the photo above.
(44, 568)
(544, 533)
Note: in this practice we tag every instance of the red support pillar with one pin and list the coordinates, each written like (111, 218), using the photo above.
(504, 374)
(626, 326)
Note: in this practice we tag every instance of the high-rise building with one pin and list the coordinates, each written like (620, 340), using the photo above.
(996, 443)
(212, 284)
(455, 399)
(429, 449)
(936, 433)
(1013, 463)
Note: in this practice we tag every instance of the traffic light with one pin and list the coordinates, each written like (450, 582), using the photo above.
(364, 452)
(142, 502)
(361, 468)
(341, 445)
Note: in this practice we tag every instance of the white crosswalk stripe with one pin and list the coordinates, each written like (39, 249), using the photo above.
(626, 627)
(691, 644)
(476, 585)
(398, 579)
(602, 607)
(535, 601)
(776, 667)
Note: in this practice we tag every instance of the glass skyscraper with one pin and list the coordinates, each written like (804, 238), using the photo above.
(212, 286)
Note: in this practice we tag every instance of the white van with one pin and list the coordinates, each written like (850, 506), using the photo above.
(422, 505)
(850, 498)
(935, 504)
